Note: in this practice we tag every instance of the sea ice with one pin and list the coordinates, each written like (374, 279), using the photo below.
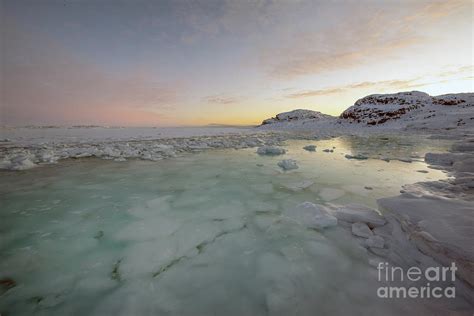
(310, 148)
(270, 151)
(312, 215)
(353, 213)
(161, 238)
(21, 162)
(375, 242)
(288, 164)
(361, 230)
(441, 159)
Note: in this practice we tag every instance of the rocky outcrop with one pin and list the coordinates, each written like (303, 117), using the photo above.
(413, 110)
(378, 109)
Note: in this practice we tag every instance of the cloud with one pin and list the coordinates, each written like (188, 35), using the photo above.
(315, 93)
(435, 10)
(383, 85)
(364, 36)
(395, 84)
(457, 71)
(221, 99)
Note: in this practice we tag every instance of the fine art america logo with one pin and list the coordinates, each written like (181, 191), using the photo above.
(430, 279)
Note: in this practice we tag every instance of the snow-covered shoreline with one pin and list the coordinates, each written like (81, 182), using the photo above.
(20, 151)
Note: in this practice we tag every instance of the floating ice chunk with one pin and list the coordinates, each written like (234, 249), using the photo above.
(288, 164)
(311, 215)
(375, 242)
(443, 159)
(270, 150)
(111, 152)
(5, 164)
(361, 230)
(357, 157)
(358, 213)
(466, 146)
(467, 181)
(464, 164)
(310, 148)
(46, 157)
(21, 162)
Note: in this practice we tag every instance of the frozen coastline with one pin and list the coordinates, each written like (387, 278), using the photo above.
(431, 223)
(25, 148)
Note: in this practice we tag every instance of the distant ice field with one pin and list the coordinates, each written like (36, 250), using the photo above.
(35, 135)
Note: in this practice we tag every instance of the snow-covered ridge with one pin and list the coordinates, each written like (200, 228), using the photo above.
(378, 109)
(296, 115)
(413, 110)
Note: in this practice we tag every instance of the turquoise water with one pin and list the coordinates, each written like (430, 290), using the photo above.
(202, 234)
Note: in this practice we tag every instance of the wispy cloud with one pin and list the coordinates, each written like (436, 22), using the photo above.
(365, 37)
(435, 10)
(221, 99)
(458, 71)
(396, 84)
(384, 84)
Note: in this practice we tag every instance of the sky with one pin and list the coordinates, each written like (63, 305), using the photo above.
(173, 63)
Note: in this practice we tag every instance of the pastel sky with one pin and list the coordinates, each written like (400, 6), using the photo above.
(183, 62)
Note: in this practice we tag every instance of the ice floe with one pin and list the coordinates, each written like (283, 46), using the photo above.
(361, 230)
(353, 213)
(288, 164)
(311, 215)
(270, 150)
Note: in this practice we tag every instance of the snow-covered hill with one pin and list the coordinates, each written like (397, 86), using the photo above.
(412, 110)
(297, 115)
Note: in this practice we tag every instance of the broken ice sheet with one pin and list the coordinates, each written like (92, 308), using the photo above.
(195, 235)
